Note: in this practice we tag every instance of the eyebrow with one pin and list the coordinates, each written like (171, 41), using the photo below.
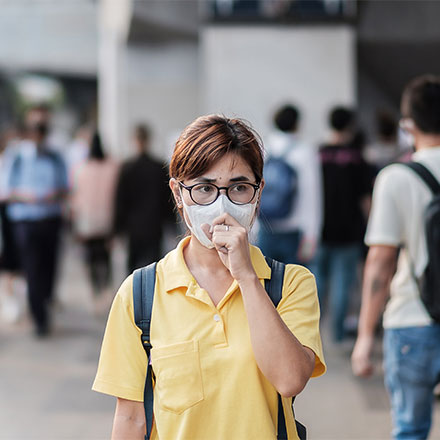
(234, 179)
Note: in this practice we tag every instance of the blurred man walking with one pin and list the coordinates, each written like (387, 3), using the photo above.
(143, 203)
(36, 186)
(399, 221)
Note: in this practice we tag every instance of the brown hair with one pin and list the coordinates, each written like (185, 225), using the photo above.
(421, 103)
(207, 139)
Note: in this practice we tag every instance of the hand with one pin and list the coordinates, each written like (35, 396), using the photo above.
(306, 250)
(230, 239)
(361, 357)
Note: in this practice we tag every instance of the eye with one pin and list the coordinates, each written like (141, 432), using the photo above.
(204, 188)
(240, 187)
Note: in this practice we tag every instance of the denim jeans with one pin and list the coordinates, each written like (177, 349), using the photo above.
(335, 269)
(281, 246)
(412, 369)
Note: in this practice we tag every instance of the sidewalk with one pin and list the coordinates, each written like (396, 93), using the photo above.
(45, 385)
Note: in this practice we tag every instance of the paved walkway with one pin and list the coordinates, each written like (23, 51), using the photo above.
(45, 385)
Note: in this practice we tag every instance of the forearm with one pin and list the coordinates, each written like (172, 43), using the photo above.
(279, 355)
(129, 421)
(378, 274)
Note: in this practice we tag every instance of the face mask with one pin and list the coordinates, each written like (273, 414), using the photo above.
(199, 215)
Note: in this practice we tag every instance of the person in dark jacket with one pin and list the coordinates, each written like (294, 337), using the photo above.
(143, 203)
(347, 185)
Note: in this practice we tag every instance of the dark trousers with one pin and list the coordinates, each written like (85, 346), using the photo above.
(141, 253)
(98, 261)
(38, 243)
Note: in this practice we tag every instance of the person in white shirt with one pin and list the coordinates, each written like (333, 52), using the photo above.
(398, 255)
(293, 238)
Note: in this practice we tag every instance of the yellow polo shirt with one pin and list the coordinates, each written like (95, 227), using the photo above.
(208, 385)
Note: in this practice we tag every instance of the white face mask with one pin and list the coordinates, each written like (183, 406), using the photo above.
(199, 215)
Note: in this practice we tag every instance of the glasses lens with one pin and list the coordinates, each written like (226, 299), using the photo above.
(204, 193)
(241, 193)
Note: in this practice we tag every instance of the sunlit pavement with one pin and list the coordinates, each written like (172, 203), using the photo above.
(45, 384)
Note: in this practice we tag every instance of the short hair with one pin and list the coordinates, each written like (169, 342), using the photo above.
(386, 124)
(142, 132)
(207, 139)
(96, 150)
(341, 118)
(421, 103)
(286, 118)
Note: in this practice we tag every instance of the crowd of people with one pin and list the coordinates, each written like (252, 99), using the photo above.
(353, 213)
(46, 191)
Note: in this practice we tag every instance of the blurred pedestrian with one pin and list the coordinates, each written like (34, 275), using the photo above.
(385, 150)
(11, 294)
(143, 203)
(78, 150)
(347, 186)
(396, 231)
(92, 205)
(36, 189)
(290, 211)
(213, 324)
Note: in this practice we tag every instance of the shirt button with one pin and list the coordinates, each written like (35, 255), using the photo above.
(216, 318)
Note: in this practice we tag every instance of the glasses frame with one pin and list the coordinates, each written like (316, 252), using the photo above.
(189, 188)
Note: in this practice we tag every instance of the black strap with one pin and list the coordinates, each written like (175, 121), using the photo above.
(144, 281)
(274, 288)
(274, 285)
(426, 176)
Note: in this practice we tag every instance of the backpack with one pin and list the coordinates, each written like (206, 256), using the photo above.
(144, 280)
(280, 190)
(57, 162)
(429, 282)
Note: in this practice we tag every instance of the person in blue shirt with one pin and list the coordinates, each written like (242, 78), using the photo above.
(36, 188)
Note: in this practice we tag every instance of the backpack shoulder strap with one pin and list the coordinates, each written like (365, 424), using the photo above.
(274, 285)
(144, 281)
(274, 288)
(425, 175)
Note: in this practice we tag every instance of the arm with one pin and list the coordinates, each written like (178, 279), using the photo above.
(379, 270)
(312, 218)
(285, 362)
(129, 421)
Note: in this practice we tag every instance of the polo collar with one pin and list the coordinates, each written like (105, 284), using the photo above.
(178, 275)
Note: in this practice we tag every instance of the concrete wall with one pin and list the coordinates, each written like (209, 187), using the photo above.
(161, 89)
(250, 71)
(52, 36)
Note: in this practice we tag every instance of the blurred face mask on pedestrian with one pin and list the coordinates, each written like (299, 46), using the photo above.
(198, 215)
(406, 125)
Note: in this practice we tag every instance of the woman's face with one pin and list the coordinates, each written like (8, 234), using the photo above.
(230, 169)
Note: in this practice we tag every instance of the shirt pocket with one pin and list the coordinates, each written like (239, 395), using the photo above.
(178, 374)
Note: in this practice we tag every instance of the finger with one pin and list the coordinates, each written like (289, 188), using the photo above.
(225, 219)
(207, 230)
(223, 228)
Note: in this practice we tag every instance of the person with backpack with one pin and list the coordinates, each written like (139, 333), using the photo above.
(214, 340)
(402, 270)
(35, 190)
(347, 182)
(290, 210)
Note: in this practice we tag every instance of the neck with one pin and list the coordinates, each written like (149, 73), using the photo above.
(198, 255)
(339, 137)
(423, 141)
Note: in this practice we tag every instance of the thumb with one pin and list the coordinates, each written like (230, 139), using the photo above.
(207, 230)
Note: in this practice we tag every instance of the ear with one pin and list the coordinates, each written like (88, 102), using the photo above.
(175, 189)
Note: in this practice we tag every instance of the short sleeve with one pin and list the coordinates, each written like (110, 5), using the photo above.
(299, 309)
(385, 225)
(123, 362)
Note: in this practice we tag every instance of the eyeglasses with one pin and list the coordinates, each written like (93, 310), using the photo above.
(239, 193)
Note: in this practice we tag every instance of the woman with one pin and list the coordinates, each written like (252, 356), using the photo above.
(93, 194)
(221, 351)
